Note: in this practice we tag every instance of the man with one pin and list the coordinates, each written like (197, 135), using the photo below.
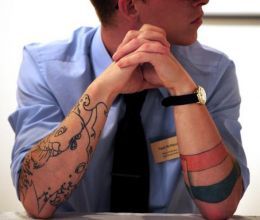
(70, 97)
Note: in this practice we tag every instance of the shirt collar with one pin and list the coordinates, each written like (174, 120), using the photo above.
(101, 59)
(99, 55)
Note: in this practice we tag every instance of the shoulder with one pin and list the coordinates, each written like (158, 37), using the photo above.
(64, 50)
(210, 68)
(58, 69)
(205, 58)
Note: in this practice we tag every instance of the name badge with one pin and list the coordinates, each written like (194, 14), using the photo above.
(164, 150)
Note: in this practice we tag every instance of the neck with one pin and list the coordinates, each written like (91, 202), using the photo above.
(113, 35)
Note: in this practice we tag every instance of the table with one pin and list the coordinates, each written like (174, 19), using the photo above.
(117, 216)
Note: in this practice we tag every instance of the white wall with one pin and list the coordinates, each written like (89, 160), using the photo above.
(28, 21)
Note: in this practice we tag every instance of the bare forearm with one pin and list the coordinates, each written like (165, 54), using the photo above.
(196, 130)
(53, 167)
(198, 136)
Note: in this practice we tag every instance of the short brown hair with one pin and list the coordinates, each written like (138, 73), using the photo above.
(105, 10)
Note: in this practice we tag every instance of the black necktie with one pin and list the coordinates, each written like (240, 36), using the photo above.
(130, 172)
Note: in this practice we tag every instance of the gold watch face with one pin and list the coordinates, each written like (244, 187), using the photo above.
(202, 97)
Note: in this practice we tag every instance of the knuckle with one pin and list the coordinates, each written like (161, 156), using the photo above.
(130, 33)
(146, 46)
(163, 32)
(159, 46)
(145, 26)
(141, 35)
(164, 49)
(136, 41)
(145, 34)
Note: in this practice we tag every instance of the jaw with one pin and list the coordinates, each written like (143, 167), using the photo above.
(183, 39)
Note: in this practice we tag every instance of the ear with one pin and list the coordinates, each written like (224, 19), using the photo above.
(128, 9)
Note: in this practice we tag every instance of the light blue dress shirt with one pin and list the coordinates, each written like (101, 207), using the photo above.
(53, 77)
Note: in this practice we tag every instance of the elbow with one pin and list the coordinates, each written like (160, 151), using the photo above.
(34, 207)
(218, 214)
(31, 207)
(224, 209)
(40, 215)
(35, 213)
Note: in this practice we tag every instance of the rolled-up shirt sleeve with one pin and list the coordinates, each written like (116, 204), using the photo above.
(38, 112)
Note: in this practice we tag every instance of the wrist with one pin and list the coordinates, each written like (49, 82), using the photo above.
(182, 84)
(182, 88)
(102, 91)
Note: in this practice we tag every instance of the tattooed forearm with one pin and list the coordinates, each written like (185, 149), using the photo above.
(44, 150)
(25, 181)
(50, 147)
(90, 121)
(79, 131)
(73, 144)
(63, 192)
(81, 167)
(212, 163)
(60, 131)
(57, 197)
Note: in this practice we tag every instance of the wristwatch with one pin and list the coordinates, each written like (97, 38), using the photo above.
(198, 96)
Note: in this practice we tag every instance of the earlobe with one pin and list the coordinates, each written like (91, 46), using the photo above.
(128, 9)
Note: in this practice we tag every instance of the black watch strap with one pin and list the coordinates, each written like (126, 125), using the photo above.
(180, 100)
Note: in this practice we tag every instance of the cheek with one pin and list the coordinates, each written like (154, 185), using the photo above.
(153, 16)
(182, 33)
(176, 24)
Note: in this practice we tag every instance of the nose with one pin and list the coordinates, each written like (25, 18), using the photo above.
(196, 3)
